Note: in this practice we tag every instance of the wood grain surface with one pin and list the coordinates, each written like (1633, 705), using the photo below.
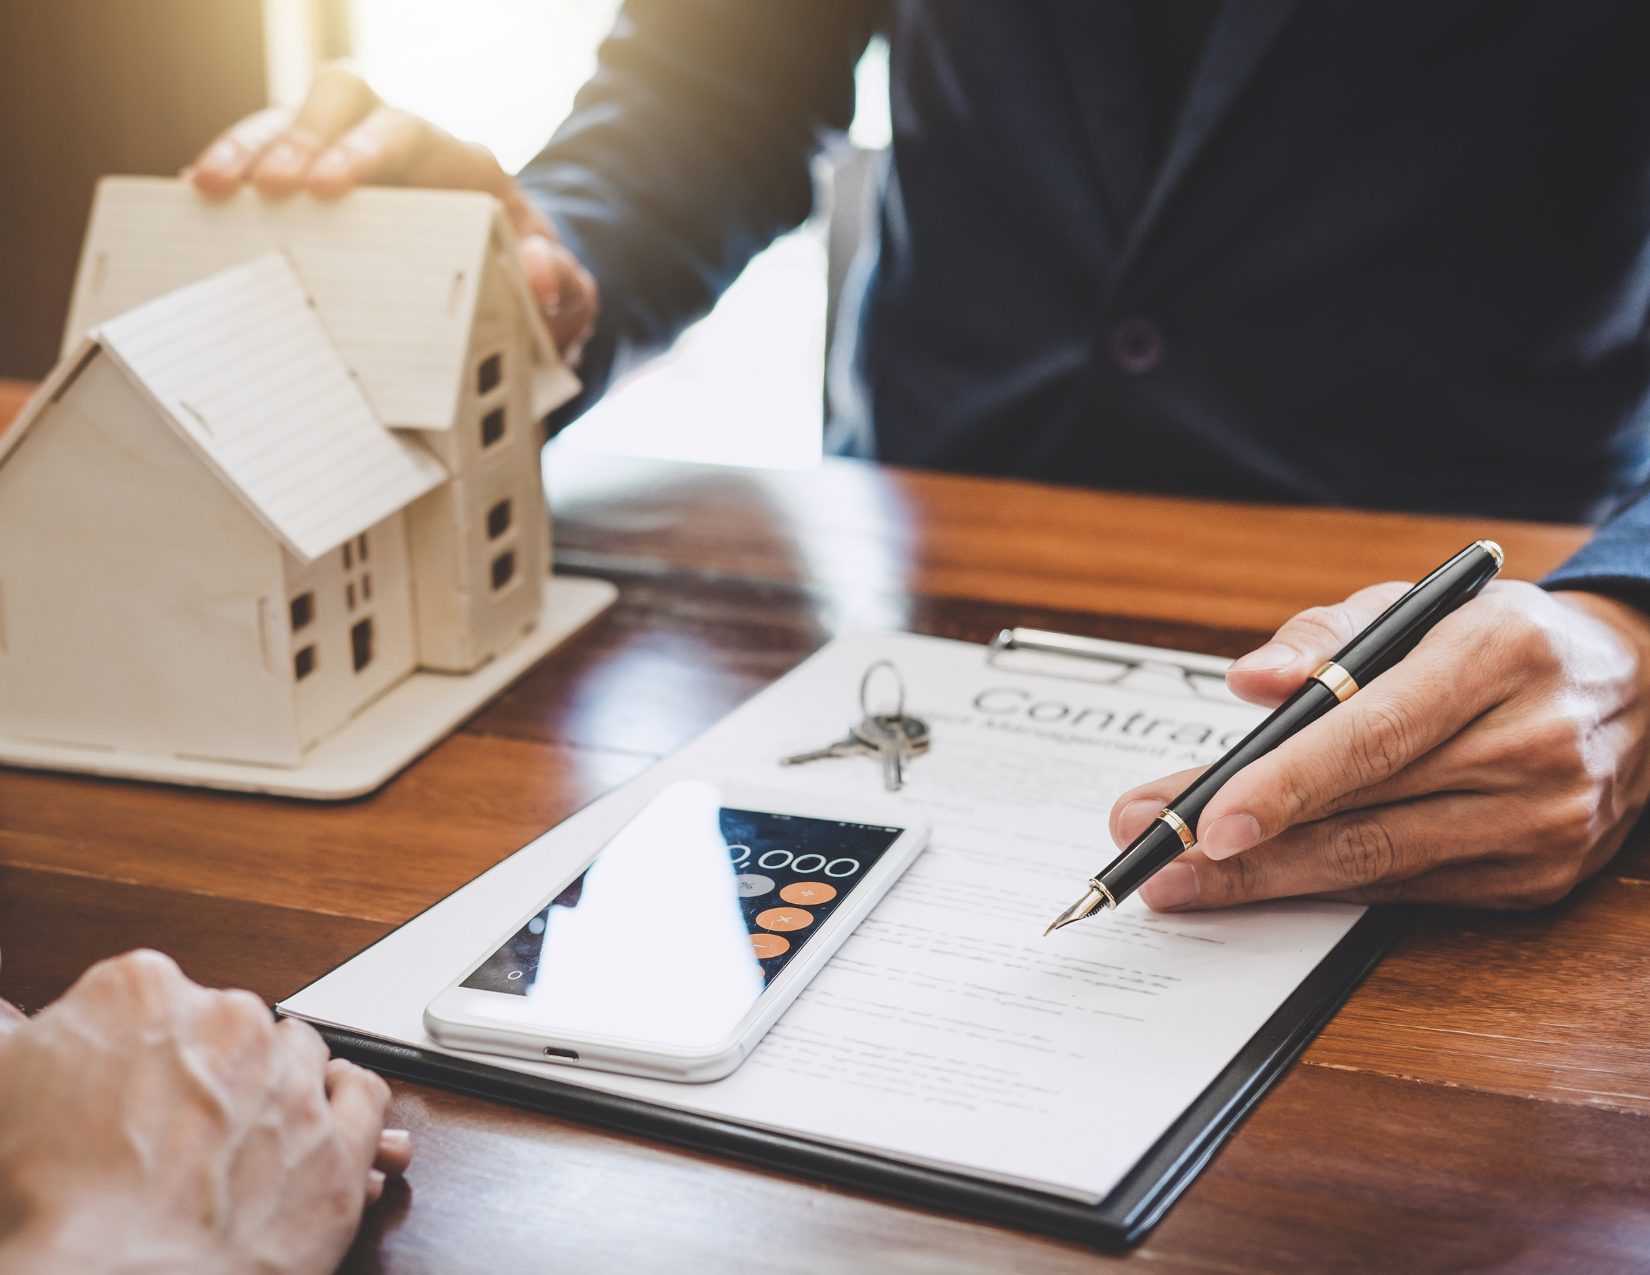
(1481, 1103)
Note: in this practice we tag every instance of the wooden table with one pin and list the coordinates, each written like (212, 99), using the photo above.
(1483, 1102)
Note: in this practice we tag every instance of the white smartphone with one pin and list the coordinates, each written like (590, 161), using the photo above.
(685, 936)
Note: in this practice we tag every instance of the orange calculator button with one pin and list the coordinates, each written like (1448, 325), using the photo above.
(766, 945)
(784, 919)
(808, 892)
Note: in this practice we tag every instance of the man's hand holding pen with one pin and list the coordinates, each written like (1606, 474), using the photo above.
(1498, 764)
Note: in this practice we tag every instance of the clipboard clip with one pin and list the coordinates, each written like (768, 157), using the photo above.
(1084, 659)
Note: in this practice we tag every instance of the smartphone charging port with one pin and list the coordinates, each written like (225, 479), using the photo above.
(551, 1051)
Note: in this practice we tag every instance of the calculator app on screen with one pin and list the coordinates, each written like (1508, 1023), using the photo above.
(784, 873)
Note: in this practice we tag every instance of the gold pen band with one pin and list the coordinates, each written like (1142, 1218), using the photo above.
(1188, 838)
(1336, 680)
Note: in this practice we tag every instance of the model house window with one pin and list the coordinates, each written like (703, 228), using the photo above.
(349, 594)
(492, 427)
(504, 569)
(498, 520)
(490, 373)
(349, 555)
(303, 663)
(361, 546)
(303, 611)
(366, 586)
(360, 643)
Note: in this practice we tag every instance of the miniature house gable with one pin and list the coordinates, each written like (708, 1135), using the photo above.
(241, 367)
(106, 642)
(395, 274)
(200, 465)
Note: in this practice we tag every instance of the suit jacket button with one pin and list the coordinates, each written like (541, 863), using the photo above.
(1137, 345)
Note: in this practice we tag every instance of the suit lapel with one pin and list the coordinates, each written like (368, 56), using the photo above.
(1241, 36)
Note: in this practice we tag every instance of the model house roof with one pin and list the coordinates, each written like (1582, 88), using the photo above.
(395, 274)
(241, 369)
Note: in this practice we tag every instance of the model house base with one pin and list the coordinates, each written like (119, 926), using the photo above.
(371, 748)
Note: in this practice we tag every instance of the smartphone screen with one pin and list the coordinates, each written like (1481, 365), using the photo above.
(674, 930)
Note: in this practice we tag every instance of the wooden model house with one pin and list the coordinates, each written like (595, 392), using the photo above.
(289, 457)
(204, 476)
(420, 292)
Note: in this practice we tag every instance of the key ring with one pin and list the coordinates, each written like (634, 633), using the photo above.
(865, 691)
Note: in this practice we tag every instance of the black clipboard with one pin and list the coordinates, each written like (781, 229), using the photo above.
(1122, 1219)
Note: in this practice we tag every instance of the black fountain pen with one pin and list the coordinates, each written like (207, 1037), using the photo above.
(1391, 637)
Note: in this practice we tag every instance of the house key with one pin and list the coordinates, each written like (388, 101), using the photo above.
(893, 738)
(851, 746)
(864, 741)
(892, 734)
(889, 737)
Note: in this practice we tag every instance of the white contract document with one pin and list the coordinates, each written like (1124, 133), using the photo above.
(947, 1031)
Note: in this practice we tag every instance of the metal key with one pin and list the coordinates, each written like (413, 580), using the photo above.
(852, 746)
(910, 732)
(863, 742)
(892, 734)
(889, 737)
(890, 746)
(894, 737)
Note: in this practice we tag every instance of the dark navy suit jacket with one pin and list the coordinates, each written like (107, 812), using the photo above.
(1395, 256)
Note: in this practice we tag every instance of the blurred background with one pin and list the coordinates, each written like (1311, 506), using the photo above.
(89, 87)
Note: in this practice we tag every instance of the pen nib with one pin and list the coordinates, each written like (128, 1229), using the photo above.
(1085, 907)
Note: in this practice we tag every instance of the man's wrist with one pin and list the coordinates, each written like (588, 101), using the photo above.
(525, 216)
(1630, 622)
